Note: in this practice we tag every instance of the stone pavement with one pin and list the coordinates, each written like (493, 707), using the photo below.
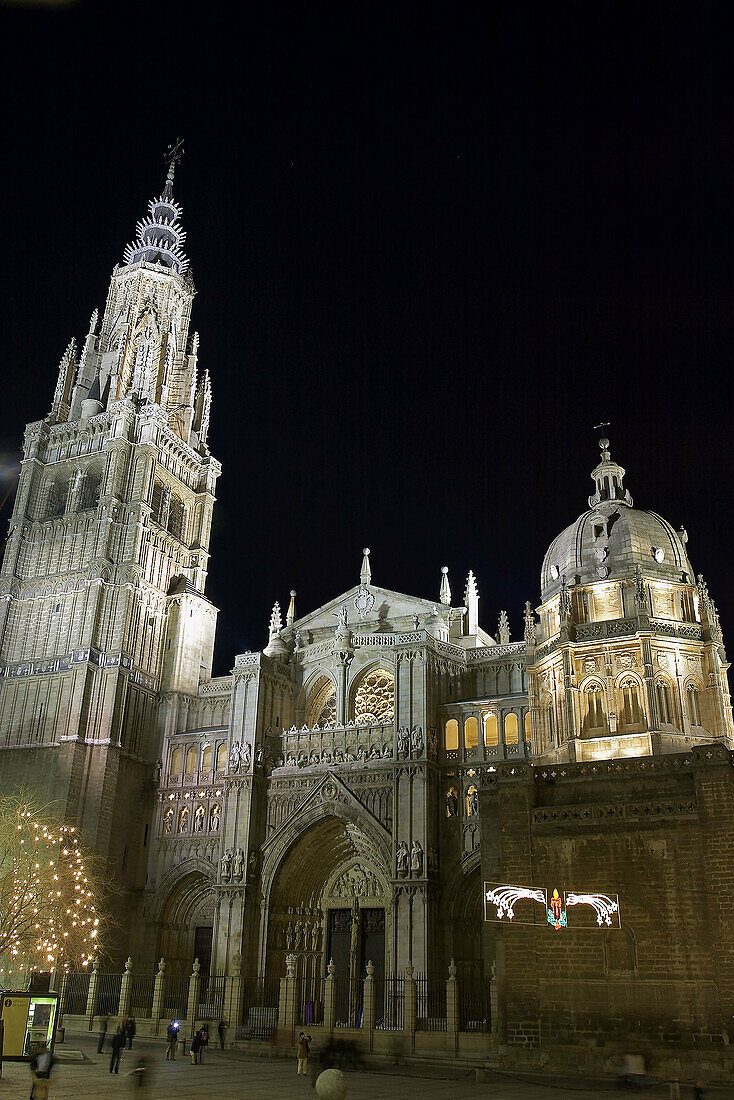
(234, 1076)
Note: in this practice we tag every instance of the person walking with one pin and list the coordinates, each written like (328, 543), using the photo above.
(118, 1043)
(172, 1039)
(41, 1066)
(303, 1052)
(221, 1029)
(203, 1041)
(195, 1048)
(130, 1031)
(102, 1033)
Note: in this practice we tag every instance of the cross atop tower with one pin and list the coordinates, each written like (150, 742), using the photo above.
(172, 156)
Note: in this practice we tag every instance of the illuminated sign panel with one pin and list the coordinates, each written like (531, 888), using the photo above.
(530, 905)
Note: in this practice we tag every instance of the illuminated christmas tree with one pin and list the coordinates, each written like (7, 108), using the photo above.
(49, 898)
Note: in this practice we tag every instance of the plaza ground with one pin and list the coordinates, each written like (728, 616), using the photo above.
(233, 1074)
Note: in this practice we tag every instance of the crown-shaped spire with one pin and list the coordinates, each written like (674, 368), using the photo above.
(276, 622)
(160, 236)
(471, 599)
(608, 477)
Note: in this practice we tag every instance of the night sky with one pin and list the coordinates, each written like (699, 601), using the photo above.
(434, 245)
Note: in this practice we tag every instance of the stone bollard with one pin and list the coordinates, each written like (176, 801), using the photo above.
(331, 1085)
(124, 1004)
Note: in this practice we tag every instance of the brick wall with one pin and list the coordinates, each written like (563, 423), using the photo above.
(659, 833)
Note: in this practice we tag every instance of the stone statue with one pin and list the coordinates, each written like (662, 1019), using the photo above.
(343, 621)
(503, 628)
(289, 936)
(168, 821)
(235, 757)
(529, 616)
(215, 819)
(416, 740)
(472, 802)
(416, 858)
(199, 813)
(401, 859)
(239, 864)
(291, 961)
(246, 756)
(298, 934)
(403, 741)
(314, 937)
(432, 860)
(452, 803)
(259, 756)
(226, 865)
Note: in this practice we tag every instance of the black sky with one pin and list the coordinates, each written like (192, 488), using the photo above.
(433, 246)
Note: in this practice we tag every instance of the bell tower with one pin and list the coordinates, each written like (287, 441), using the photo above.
(102, 605)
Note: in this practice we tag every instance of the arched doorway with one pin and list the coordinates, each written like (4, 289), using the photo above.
(330, 898)
(186, 923)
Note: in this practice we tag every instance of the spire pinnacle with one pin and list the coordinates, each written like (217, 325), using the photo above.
(172, 156)
(471, 599)
(445, 593)
(276, 622)
(608, 476)
(503, 628)
(291, 614)
(365, 573)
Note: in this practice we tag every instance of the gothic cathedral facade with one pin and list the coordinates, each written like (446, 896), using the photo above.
(323, 800)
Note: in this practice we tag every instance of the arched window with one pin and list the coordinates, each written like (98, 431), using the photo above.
(471, 733)
(595, 718)
(451, 734)
(206, 759)
(321, 703)
(157, 502)
(57, 494)
(222, 758)
(528, 727)
(491, 732)
(374, 701)
(91, 486)
(191, 761)
(176, 517)
(512, 729)
(694, 708)
(549, 729)
(176, 761)
(630, 711)
(665, 709)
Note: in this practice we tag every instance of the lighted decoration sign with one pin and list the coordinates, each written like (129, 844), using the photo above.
(500, 902)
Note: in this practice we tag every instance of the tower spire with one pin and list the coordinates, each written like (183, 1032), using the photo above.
(471, 599)
(445, 592)
(160, 236)
(608, 476)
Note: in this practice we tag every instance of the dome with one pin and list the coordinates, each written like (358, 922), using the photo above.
(612, 538)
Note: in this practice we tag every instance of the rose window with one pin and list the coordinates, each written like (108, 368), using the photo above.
(321, 705)
(375, 698)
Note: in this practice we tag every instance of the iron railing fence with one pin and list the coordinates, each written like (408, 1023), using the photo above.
(141, 995)
(259, 1010)
(430, 1005)
(348, 997)
(211, 998)
(108, 993)
(311, 1000)
(175, 997)
(475, 1010)
(75, 996)
(390, 1004)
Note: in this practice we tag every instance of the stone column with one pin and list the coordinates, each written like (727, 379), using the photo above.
(287, 1004)
(124, 1005)
(452, 1009)
(159, 988)
(410, 1013)
(92, 993)
(233, 990)
(329, 997)
(192, 1008)
(368, 1004)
